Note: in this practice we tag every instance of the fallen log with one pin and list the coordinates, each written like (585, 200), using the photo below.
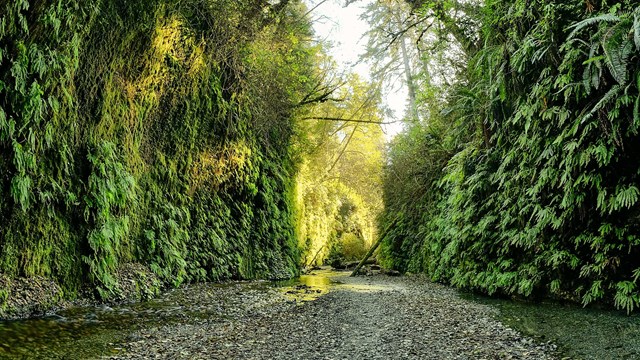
(338, 265)
(366, 257)
(373, 248)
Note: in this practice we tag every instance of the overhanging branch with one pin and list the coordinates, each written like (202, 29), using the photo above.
(327, 118)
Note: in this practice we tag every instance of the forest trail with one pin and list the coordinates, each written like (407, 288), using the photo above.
(375, 317)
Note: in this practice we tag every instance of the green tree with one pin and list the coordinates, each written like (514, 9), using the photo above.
(340, 181)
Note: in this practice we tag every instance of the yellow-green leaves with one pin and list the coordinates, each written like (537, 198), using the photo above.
(339, 184)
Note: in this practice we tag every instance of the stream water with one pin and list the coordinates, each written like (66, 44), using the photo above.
(89, 332)
(580, 333)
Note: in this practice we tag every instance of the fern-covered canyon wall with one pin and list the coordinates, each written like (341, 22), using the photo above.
(152, 132)
(522, 176)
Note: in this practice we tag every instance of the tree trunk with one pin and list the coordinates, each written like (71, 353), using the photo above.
(409, 77)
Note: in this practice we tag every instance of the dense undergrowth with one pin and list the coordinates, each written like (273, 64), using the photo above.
(523, 177)
(155, 132)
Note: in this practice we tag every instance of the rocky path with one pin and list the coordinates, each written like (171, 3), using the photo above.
(375, 317)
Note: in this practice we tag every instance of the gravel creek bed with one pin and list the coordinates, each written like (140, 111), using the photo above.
(373, 317)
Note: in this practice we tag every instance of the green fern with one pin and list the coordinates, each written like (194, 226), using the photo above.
(625, 198)
(591, 21)
(606, 99)
(617, 58)
(627, 296)
(636, 28)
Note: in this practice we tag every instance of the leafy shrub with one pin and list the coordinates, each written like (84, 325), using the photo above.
(353, 247)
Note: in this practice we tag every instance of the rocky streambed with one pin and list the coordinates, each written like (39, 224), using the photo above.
(324, 315)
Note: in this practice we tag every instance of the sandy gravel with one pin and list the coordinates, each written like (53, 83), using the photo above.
(374, 317)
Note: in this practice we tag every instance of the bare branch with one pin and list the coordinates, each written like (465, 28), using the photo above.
(315, 7)
(328, 118)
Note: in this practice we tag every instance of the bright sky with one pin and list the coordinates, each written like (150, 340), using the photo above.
(343, 28)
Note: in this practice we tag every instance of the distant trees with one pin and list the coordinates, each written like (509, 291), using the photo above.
(422, 43)
(390, 56)
(340, 179)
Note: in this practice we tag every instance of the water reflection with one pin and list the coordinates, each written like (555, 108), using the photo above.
(90, 332)
(320, 282)
(309, 287)
(44, 338)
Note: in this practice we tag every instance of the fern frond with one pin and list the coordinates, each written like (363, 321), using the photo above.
(617, 59)
(636, 28)
(625, 198)
(588, 22)
(627, 296)
(636, 114)
(611, 94)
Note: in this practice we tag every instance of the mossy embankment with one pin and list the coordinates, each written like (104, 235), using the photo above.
(150, 134)
(523, 178)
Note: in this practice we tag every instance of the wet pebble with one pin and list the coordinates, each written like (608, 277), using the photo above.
(377, 317)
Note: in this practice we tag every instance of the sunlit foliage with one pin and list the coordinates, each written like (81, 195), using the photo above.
(340, 180)
(154, 131)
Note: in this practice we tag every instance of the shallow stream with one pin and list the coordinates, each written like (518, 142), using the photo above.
(580, 333)
(90, 332)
